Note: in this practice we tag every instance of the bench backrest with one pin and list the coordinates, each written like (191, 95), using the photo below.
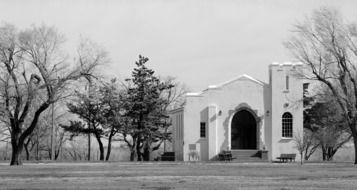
(288, 155)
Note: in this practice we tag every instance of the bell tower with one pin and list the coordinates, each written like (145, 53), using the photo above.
(286, 107)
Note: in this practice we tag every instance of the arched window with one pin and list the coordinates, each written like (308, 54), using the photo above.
(287, 125)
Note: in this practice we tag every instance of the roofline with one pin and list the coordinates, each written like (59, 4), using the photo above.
(214, 87)
(286, 64)
(176, 110)
(239, 77)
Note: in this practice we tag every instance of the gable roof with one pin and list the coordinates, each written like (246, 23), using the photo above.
(241, 77)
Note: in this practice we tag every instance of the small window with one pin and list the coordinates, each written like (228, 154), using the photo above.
(305, 89)
(287, 82)
(203, 130)
(287, 125)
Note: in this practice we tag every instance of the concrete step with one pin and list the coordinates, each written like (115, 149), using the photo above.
(247, 156)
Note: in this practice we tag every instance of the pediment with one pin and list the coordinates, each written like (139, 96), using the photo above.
(242, 78)
(245, 78)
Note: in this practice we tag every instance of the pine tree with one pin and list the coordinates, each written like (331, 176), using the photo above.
(90, 109)
(144, 106)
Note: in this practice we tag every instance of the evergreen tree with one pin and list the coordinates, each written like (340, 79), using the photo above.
(89, 108)
(144, 107)
(113, 118)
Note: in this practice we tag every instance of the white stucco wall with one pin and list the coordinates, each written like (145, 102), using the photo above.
(284, 100)
(216, 106)
(177, 119)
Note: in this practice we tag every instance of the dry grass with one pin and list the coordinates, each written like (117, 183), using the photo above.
(179, 176)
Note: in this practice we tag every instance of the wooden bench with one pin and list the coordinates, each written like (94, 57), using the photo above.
(287, 157)
(225, 156)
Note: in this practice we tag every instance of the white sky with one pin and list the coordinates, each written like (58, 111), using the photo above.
(201, 42)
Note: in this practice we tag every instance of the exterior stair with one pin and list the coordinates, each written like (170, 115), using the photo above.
(247, 156)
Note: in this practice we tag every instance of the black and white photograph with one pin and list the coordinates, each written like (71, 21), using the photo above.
(178, 94)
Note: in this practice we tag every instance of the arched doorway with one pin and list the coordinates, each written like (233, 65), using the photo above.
(243, 131)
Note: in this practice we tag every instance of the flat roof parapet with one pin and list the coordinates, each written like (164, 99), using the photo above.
(286, 64)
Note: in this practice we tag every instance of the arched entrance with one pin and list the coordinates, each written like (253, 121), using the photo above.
(243, 131)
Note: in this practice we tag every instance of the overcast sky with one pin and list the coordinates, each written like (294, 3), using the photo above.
(201, 42)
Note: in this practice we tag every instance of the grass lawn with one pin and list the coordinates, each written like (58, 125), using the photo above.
(161, 175)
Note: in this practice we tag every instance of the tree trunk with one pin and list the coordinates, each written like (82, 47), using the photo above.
(49, 151)
(147, 150)
(132, 146)
(138, 150)
(323, 150)
(308, 153)
(355, 146)
(17, 146)
(301, 158)
(89, 145)
(37, 149)
(138, 155)
(57, 154)
(58, 151)
(330, 153)
(146, 155)
(18, 138)
(109, 145)
(16, 155)
(165, 138)
(26, 146)
(27, 152)
(132, 154)
(101, 148)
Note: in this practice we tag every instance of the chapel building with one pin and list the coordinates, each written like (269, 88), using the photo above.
(245, 116)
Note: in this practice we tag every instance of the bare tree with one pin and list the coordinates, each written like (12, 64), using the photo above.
(312, 144)
(176, 95)
(34, 143)
(75, 150)
(327, 45)
(59, 135)
(33, 67)
(175, 98)
(86, 53)
(300, 144)
(326, 128)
